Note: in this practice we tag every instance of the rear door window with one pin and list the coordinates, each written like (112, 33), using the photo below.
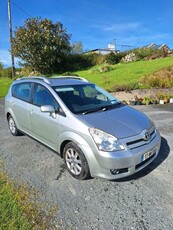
(22, 91)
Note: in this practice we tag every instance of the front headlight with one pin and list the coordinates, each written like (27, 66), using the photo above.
(105, 141)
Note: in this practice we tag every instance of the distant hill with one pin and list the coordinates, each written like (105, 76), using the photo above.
(112, 76)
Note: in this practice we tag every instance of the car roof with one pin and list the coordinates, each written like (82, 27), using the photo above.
(55, 81)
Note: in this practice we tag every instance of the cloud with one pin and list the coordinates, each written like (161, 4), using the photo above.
(122, 27)
(119, 27)
(148, 38)
(5, 58)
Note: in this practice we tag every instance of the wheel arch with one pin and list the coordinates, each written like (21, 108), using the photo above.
(63, 144)
(7, 115)
(67, 137)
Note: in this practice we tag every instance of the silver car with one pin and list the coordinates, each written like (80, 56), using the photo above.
(96, 134)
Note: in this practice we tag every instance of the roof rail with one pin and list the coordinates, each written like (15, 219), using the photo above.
(70, 77)
(36, 78)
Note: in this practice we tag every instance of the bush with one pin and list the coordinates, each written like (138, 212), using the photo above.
(160, 79)
(6, 73)
(113, 58)
(122, 87)
(69, 74)
(96, 59)
(106, 68)
(76, 62)
(142, 53)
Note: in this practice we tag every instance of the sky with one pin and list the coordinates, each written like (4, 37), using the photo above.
(95, 23)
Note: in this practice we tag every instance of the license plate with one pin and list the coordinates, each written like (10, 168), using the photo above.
(147, 155)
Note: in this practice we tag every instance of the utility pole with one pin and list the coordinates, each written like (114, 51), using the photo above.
(115, 43)
(11, 35)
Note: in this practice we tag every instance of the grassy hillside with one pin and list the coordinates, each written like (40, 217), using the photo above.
(125, 73)
(119, 74)
(4, 86)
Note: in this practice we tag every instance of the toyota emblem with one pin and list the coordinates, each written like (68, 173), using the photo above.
(147, 136)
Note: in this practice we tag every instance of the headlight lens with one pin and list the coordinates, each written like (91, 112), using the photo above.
(105, 141)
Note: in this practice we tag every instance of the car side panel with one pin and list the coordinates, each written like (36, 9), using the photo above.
(20, 109)
(44, 126)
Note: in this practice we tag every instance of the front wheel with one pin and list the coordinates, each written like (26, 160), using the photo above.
(75, 161)
(12, 126)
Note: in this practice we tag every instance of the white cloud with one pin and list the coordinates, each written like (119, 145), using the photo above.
(119, 27)
(122, 27)
(5, 58)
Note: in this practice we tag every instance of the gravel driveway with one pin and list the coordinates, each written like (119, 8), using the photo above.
(143, 202)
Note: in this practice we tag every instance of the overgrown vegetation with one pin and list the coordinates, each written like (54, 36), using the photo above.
(127, 75)
(160, 79)
(18, 207)
(143, 53)
(4, 86)
(122, 76)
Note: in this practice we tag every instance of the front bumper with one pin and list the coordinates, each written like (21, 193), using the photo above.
(114, 165)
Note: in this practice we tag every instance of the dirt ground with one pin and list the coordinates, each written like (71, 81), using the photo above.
(141, 93)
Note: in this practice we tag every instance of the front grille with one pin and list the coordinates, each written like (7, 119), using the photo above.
(140, 141)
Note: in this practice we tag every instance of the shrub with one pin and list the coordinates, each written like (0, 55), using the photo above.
(160, 79)
(69, 74)
(142, 53)
(106, 68)
(97, 59)
(113, 58)
(123, 87)
(6, 73)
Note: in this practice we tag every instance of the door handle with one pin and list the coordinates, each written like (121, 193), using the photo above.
(31, 111)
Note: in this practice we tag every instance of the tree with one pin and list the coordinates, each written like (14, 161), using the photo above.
(1, 66)
(1, 69)
(41, 45)
(76, 48)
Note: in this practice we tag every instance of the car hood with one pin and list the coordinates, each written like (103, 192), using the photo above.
(121, 122)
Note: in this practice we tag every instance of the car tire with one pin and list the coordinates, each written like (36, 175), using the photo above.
(75, 161)
(12, 127)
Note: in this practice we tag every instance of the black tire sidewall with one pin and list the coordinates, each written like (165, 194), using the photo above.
(16, 133)
(85, 172)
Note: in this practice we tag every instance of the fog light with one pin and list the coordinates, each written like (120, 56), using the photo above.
(114, 171)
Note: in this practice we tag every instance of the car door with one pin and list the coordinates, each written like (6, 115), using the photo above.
(20, 104)
(44, 126)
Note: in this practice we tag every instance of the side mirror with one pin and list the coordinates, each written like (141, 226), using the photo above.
(47, 109)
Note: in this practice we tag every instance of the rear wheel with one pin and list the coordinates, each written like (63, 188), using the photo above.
(75, 161)
(12, 126)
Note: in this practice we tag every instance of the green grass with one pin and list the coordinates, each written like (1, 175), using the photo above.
(4, 86)
(125, 73)
(121, 74)
(19, 209)
(11, 215)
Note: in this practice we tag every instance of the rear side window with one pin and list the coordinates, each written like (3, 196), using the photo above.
(22, 91)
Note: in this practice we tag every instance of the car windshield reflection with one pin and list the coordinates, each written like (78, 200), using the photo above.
(86, 98)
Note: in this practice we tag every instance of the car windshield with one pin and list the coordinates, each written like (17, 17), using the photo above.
(86, 98)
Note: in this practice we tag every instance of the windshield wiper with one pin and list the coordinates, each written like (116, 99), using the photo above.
(92, 110)
(112, 106)
(102, 108)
